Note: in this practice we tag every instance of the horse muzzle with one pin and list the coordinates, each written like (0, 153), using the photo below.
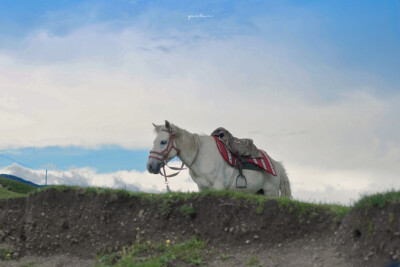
(154, 166)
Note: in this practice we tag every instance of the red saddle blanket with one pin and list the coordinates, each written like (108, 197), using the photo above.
(263, 163)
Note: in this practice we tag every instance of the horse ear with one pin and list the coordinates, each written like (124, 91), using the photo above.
(157, 128)
(167, 125)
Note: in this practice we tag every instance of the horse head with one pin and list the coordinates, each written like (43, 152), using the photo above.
(164, 147)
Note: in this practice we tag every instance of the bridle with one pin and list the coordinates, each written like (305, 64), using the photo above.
(164, 154)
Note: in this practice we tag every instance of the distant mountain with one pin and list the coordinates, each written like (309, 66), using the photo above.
(18, 179)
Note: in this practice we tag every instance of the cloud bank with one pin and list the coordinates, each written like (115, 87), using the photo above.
(130, 180)
(335, 190)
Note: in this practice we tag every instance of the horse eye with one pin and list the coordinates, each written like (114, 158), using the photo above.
(163, 142)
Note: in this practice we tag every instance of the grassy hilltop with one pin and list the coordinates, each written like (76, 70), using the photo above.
(11, 189)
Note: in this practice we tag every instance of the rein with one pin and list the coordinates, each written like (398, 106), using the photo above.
(164, 156)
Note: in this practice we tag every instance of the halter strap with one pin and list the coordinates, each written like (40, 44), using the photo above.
(165, 153)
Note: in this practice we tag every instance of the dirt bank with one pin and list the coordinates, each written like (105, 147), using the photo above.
(81, 224)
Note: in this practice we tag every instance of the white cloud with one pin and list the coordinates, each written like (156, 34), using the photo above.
(337, 185)
(314, 186)
(8, 102)
(130, 180)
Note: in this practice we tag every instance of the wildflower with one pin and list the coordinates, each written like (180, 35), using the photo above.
(148, 242)
(137, 228)
(168, 242)
(170, 196)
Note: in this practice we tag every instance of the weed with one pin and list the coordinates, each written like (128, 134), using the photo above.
(254, 262)
(6, 254)
(188, 211)
(111, 258)
(226, 256)
(260, 206)
(370, 227)
(29, 264)
(165, 208)
(390, 221)
(314, 213)
(161, 254)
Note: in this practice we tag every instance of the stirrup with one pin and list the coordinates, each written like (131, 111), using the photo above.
(241, 181)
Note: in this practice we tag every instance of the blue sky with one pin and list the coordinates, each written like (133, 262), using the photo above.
(82, 81)
(364, 34)
(105, 159)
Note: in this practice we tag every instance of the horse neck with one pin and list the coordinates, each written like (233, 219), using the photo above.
(188, 153)
(204, 158)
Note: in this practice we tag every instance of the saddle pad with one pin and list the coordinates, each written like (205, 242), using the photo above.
(263, 163)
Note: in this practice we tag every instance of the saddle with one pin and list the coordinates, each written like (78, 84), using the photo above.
(241, 154)
(243, 149)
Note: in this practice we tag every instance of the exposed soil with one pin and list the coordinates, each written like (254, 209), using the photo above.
(60, 228)
(370, 236)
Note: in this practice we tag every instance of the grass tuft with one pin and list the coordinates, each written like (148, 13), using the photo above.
(188, 210)
(161, 254)
(379, 200)
(6, 254)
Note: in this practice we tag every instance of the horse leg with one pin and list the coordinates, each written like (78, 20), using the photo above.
(201, 188)
(260, 192)
(271, 185)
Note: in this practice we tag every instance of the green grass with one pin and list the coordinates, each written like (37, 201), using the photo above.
(225, 257)
(188, 211)
(88, 190)
(6, 254)
(254, 262)
(305, 209)
(17, 187)
(6, 194)
(379, 200)
(161, 254)
(168, 201)
(29, 264)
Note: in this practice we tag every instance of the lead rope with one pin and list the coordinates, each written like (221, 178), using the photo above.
(166, 181)
(174, 168)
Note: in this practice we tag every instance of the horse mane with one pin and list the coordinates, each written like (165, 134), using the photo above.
(186, 140)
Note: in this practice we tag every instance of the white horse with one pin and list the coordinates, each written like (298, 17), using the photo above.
(207, 167)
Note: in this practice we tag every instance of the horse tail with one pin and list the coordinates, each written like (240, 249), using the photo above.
(284, 185)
